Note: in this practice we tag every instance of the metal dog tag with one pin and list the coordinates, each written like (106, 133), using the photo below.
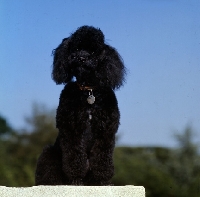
(91, 99)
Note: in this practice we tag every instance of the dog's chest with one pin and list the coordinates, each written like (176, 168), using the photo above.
(88, 138)
(88, 97)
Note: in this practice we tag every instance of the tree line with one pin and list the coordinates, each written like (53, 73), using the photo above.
(164, 172)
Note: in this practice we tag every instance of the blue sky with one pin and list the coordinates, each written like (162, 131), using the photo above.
(159, 41)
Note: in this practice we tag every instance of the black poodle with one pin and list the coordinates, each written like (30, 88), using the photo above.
(87, 116)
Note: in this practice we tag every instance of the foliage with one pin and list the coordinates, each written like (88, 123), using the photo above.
(4, 127)
(21, 150)
(144, 166)
(185, 164)
(162, 171)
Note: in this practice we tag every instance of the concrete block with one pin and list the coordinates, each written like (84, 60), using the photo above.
(73, 191)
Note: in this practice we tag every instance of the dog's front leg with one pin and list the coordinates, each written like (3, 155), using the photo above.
(74, 160)
(101, 161)
(106, 123)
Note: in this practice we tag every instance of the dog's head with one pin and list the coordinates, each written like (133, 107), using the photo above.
(85, 56)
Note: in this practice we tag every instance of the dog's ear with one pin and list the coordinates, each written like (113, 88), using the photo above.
(61, 71)
(115, 69)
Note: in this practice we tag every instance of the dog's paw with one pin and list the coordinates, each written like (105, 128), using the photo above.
(77, 182)
(101, 183)
(106, 183)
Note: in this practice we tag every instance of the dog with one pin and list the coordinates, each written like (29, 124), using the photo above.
(87, 116)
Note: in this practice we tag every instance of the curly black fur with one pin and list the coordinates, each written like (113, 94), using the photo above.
(83, 151)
